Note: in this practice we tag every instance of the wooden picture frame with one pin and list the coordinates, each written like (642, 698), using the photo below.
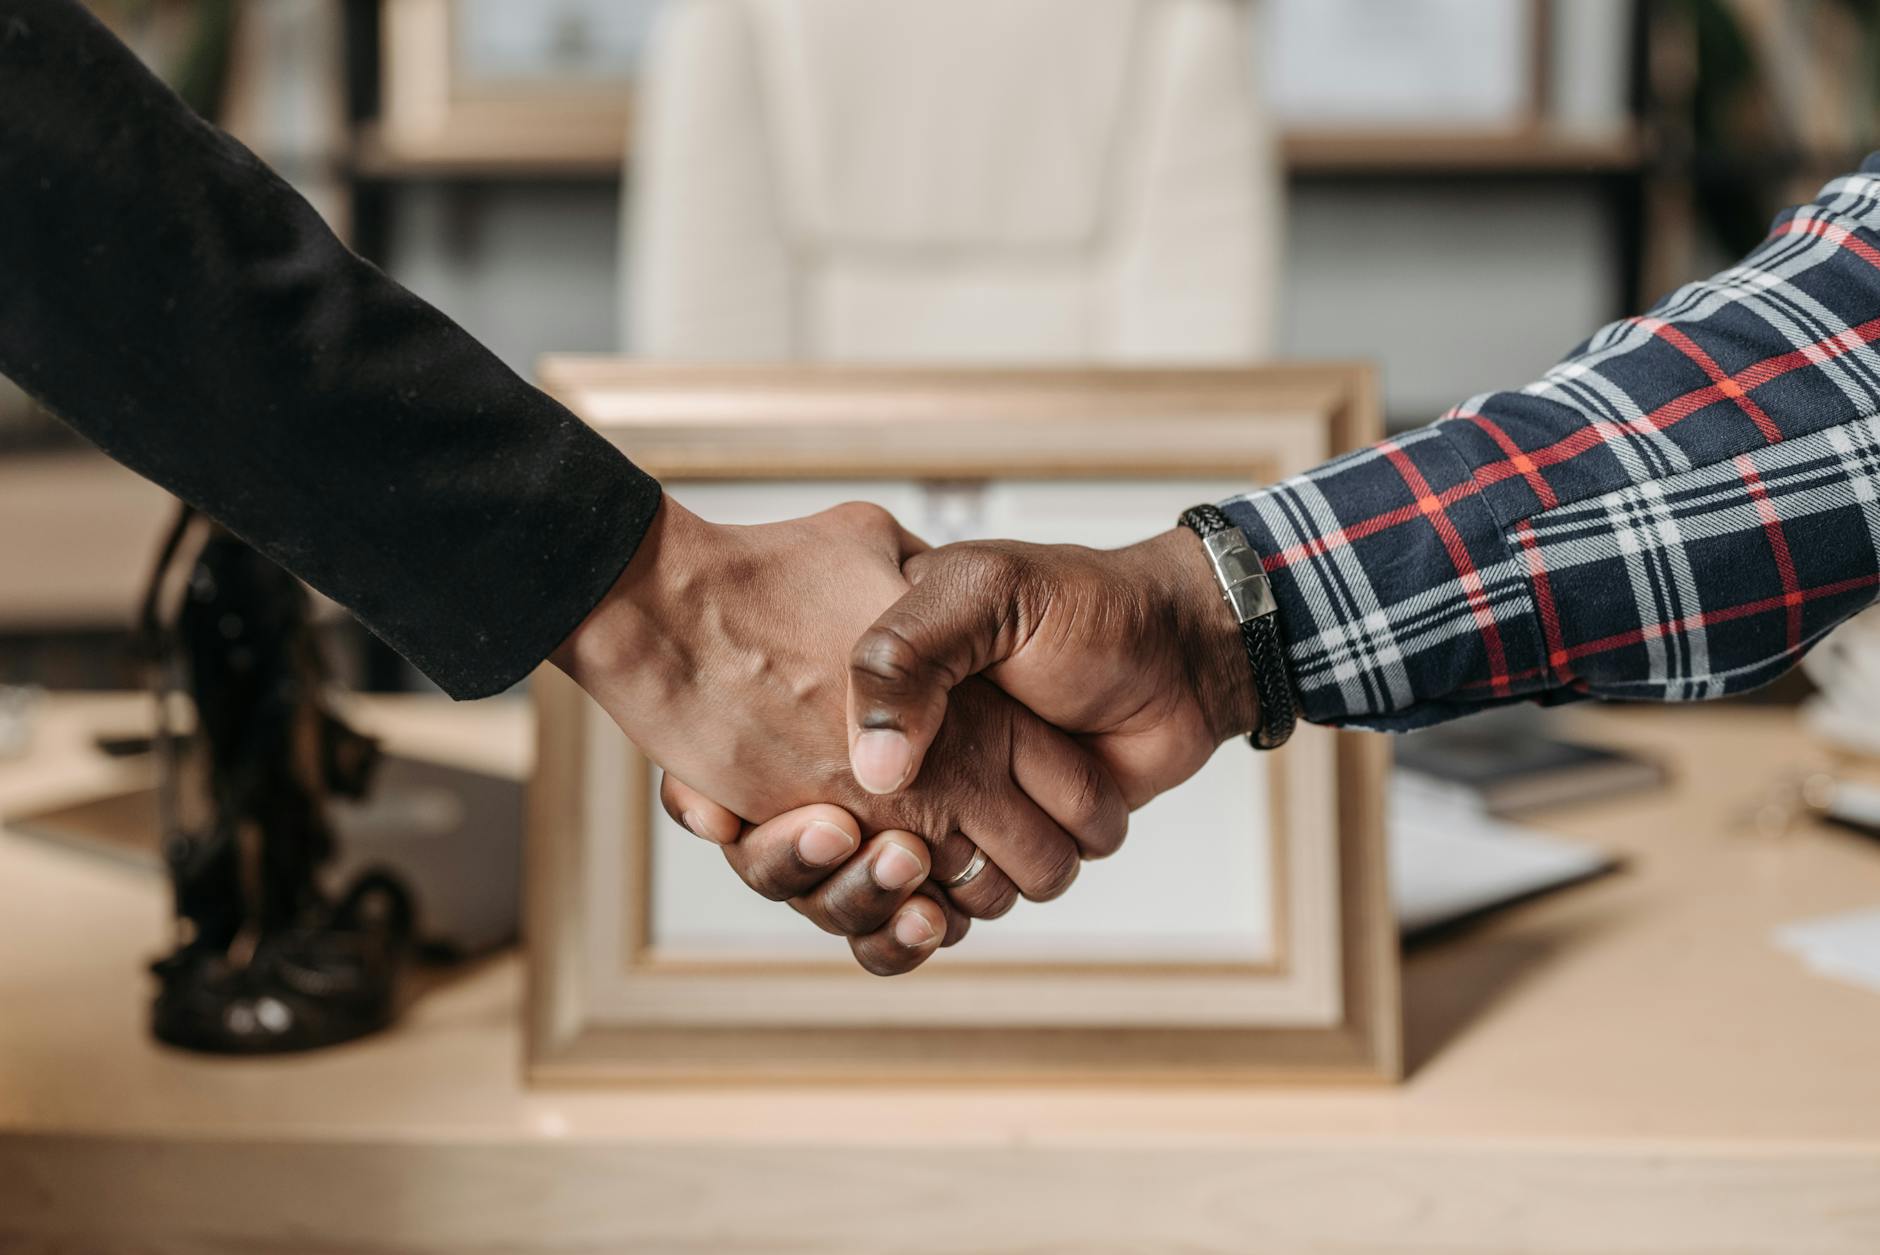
(433, 121)
(1352, 42)
(607, 1002)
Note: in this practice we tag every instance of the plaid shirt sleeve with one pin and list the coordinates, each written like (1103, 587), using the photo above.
(1677, 511)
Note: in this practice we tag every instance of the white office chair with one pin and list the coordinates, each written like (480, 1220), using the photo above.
(953, 181)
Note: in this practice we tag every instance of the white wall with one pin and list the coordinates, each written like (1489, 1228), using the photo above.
(1456, 290)
(526, 268)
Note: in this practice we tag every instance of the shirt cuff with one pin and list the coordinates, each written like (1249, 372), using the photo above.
(1400, 601)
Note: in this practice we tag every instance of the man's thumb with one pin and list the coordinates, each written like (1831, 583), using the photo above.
(901, 671)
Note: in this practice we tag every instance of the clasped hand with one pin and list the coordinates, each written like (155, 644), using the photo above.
(883, 710)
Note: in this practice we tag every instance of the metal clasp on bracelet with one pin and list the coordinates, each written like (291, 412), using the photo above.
(1244, 585)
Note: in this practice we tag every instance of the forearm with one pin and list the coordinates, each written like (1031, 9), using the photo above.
(176, 302)
(1678, 511)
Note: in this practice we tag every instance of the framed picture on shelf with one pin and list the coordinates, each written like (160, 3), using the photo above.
(1243, 931)
(491, 84)
(1444, 66)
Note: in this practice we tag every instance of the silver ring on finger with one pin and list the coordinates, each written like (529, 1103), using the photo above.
(973, 867)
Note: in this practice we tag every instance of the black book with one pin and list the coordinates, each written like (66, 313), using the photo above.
(1512, 770)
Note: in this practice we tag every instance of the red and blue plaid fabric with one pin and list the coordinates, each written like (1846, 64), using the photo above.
(1675, 512)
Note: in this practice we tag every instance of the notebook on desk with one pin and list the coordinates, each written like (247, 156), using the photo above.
(1512, 768)
(1450, 860)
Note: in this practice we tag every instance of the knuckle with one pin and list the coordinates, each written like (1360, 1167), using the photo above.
(999, 900)
(865, 516)
(811, 912)
(880, 961)
(988, 896)
(849, 913)
(993, 569)
(923, 813)
(1086, 802)
(767, 875)
(1056, 875)
(886, 656)
(1102, 821)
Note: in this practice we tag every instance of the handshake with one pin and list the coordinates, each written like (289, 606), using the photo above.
(896, 739)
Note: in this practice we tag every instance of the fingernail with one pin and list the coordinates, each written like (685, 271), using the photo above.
(881, 760)
(821, 844)
(896, 868)
(913, 931)
(694, 825)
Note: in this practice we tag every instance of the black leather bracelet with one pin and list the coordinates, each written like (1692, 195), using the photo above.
(1247, 592)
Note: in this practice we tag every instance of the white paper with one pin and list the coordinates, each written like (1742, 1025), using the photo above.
(1449, 859)
(1844, 947)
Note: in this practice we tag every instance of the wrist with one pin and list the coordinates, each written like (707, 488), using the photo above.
(637, 633)
(1208, 635)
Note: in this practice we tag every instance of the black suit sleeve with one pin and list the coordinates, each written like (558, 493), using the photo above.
(171, 298)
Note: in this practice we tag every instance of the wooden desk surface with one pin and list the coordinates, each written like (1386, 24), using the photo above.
(1627, 1066)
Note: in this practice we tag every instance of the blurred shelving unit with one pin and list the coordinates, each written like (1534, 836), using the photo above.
(437, 168)
(1532, 151)
(1752, 105)
(1449, 218)
(1619, 196)
(593, 150)
(598, 151)
(459, 201)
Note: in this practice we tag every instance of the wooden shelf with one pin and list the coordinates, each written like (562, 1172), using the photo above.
(586, 146)
(1386, 152)
(594, 146)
